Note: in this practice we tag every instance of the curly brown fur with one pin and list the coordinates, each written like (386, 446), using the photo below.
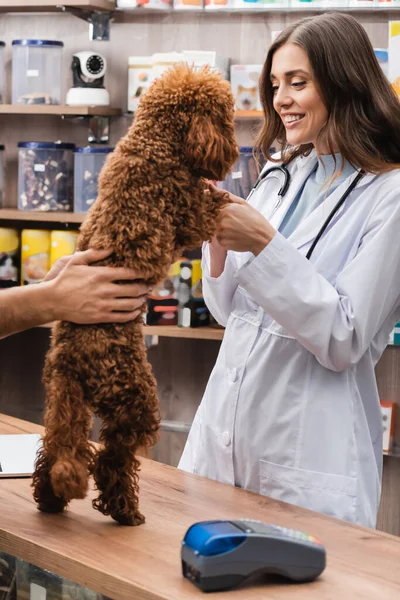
(151, 205)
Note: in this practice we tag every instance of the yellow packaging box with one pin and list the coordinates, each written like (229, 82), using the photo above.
(63, 243)
(9, 254)
(35, 255)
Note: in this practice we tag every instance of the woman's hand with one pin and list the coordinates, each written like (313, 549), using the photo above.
(88, 294)
(242, 228)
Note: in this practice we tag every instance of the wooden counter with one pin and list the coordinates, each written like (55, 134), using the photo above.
(143, 563)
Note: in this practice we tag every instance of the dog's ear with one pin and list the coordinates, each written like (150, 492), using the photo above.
(210, 149)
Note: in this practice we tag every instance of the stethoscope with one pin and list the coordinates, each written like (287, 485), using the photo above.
(285, 186)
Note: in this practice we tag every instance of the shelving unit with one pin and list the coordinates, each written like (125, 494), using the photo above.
(54, 5)
(249, 115)
(173, 331)
(10, 214)
(59, 110)
(262, 9)
(193, 333)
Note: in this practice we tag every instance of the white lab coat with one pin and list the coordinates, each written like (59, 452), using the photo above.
(291, 409)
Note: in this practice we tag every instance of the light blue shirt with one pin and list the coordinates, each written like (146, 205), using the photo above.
(313, 192)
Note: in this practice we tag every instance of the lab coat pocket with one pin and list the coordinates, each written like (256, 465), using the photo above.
(275, 329)
(333, 495)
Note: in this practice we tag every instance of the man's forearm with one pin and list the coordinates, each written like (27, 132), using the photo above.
(25, 307)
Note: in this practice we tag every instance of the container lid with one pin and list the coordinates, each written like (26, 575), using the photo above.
(46, 145)
(36, 43)
(91, 150)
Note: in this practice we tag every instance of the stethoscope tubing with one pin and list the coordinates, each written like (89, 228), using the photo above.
(285, 186)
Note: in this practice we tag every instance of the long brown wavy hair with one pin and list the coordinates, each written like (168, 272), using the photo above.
(363, 110)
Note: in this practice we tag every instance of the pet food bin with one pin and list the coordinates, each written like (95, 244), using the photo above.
(45, 176)
(88, 162)
(36, 71)
(2, 72)
(244, 173)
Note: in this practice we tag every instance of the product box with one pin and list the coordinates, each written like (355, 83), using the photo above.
(394, 55)
(165, 60)
(244, 82)
(63, 243)
(394, 338)
(9, 257)
(192, 311)
(188, 4)
(140, 76)
(200, 58)
(218, 4)
(382, 55)
(162, 303)
(388, 420)
(152, 4)
(35, 255)
(261, 4)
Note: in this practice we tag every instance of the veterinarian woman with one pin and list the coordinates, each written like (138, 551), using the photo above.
(292, 409)
(73, 291)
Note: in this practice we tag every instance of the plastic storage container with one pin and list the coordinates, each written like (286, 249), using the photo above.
(36, 71)
(2, 72)
(45, 176)
(244, 173)
(88, 163)
(1, 174)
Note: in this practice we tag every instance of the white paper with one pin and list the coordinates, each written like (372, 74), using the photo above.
(18, 453)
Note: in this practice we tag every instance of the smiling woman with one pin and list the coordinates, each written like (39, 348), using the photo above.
(291, 409)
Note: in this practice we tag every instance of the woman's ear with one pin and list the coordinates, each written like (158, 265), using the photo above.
(210, 149)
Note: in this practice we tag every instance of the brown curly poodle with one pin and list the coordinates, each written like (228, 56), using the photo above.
(151, 205)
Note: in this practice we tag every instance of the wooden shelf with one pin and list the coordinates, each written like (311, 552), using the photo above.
(249, 115)
(10, 214)
(262, 9)
(54, 5)
(59, 110)
(189, 333)
(197, 333)
(240, 115)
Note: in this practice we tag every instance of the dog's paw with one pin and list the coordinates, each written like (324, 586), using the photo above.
(69, 479)
(132, 519)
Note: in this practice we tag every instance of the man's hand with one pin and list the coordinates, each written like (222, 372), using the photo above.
(87, 294)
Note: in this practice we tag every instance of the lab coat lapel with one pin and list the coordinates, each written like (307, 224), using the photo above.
(309, 228)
